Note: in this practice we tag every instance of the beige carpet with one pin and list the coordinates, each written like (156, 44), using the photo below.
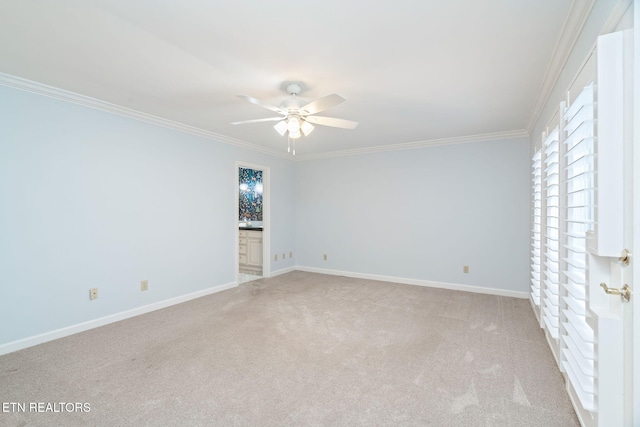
(295, 350)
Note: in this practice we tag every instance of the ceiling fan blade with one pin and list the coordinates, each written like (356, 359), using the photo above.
(262, 104)
(268, 119)
(322, 104)
(331, 121)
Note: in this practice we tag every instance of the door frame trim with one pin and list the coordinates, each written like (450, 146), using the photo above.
(266, 216)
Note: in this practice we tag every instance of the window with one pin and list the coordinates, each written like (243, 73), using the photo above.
(577, 343)
(562, 213)
(551, 235)
(536, 227)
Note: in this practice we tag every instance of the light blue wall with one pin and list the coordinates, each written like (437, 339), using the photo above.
(91, 199)
(420, 214)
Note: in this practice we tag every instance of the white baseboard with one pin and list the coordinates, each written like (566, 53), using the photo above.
(418, 282)
(282, 271)
(81, 327)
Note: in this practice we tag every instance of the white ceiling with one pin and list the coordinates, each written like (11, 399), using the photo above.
(411, 71)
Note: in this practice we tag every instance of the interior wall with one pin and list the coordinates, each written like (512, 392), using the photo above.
(420, 214)
(90, 199)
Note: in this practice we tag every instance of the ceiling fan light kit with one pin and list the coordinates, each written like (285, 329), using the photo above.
(281, 127)
(306, 128)
(293, 126)
(297, 121)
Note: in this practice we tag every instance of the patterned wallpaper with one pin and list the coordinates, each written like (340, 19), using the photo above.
(250, 195)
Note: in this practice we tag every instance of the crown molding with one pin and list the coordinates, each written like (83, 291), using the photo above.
(496, 136)
(86, 101)
(571, 29)
(573, 25)
(616, 16)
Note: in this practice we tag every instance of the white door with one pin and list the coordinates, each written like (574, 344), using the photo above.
(614, 354)
(632, 367)
(611, 245)
(595, 348)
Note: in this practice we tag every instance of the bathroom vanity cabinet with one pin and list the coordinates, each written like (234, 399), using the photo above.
(250, 251)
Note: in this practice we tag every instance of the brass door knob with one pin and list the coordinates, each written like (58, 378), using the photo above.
(625, 292)
(625, 257)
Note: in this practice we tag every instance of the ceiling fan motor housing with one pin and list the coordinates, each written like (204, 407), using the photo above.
(294, 88)
(292, 104)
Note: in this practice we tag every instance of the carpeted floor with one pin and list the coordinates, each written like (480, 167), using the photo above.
(295, 350)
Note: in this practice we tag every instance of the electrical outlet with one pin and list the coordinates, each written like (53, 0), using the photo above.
(325, 257)
(93, 293)
(465, 269)
(275, 257)
(290, 254)
(144, 285)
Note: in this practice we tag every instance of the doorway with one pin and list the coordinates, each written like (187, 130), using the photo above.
(252, 225)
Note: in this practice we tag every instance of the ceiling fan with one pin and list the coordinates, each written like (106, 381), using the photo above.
(299, 120)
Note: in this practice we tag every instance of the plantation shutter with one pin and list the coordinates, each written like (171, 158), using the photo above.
(551, 235)
(578, 338)
(536, 229)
